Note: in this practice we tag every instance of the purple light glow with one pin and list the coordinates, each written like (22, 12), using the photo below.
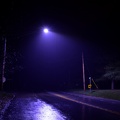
(45, 30)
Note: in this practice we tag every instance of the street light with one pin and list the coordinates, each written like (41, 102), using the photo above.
(45, 30)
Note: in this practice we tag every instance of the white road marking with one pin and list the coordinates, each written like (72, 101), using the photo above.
(79, 102)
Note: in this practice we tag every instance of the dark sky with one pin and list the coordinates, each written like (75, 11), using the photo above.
(96, 21)
(92, 25)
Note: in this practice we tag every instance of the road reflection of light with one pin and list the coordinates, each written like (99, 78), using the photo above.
(40, 110)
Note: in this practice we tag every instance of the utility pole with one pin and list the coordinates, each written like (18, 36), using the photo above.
(83, 69)
(3, 64)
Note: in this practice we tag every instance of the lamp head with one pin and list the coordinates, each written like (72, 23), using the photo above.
(45, 30)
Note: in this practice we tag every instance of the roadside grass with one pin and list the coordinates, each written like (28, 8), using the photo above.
(4, 95)
(5, 99)
(110, 94)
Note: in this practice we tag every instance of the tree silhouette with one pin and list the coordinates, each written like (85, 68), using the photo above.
(112, 73)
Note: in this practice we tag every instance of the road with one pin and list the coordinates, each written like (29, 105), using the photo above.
(61, 106)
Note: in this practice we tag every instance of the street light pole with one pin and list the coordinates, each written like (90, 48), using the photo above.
(3, 65)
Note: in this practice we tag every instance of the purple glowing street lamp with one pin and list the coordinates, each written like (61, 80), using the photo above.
(45, 30)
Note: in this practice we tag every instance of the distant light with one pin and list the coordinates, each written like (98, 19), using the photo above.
(45, 30)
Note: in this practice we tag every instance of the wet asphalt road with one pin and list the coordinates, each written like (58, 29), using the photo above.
(61, 106)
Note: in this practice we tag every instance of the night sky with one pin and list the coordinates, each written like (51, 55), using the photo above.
(53, 61)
